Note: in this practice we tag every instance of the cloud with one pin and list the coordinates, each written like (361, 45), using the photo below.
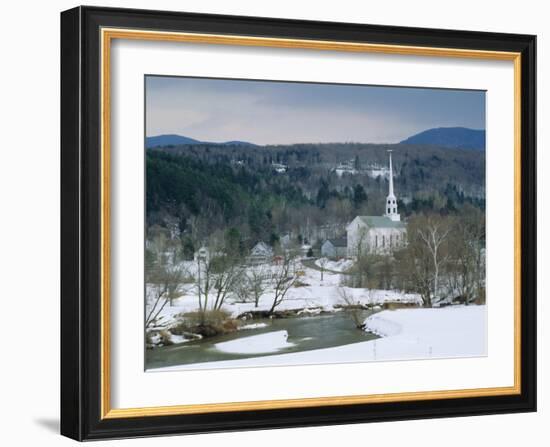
(267, 112)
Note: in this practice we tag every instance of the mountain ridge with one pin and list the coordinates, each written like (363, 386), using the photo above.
(446, 137)
(177, 140)
(450, 137)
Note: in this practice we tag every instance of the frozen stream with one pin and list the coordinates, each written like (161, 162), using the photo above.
(304, 334)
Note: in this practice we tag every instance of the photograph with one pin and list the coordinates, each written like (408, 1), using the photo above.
(300, 223)
(276, 223)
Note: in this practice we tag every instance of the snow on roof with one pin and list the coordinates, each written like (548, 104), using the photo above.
(261, 247)
(381, 222)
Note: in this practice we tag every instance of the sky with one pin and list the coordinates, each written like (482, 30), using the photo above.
(273, 112)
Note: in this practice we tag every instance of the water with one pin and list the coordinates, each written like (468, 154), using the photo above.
(307, 333)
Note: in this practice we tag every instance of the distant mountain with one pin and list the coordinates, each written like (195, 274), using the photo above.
(238, 143)
(453, 137)
(179, 140)
(169, 140)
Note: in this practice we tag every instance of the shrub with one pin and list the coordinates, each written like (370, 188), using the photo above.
(206, 323)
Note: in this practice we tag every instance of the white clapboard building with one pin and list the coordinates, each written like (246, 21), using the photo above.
(377, 234)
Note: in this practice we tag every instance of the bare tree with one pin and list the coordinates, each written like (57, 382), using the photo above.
(283, 280)
(163, 275)
(352, 308)
(207, 258)
(414, 267)
(363, 264)
(433, 233)
(466, 266)
(219, 271)
(251, 284)
(162, 286)
(421, 261)
(322, 264)
(227, 274)
(204, 279)
(255, 280)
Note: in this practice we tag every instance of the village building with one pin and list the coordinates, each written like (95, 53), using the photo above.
(377, 234)
(261, 253)
(335, 248)
(279, 167)
(345, 168)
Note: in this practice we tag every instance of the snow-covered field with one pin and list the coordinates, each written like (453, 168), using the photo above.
(313, 294)
(457, 331)
(454, 331)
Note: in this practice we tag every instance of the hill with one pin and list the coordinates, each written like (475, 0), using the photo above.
(179, 140)
(212, 189)
(453, 137)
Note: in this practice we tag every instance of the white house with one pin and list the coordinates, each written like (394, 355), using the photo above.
(333, 248)
(260, 253)
(279, 167)
(377, 234)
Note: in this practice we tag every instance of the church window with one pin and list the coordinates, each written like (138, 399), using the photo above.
(388, 211)
(384, 241)
(391, 240)
(376, 241)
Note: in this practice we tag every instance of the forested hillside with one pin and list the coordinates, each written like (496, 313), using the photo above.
(310, 191)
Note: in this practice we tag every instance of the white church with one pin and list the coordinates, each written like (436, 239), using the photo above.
(377, 234)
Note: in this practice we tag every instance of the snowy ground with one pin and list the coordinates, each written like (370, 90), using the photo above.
(342, 265)
(454, 331)
(314, 295)
(256, 344)
(458, 331)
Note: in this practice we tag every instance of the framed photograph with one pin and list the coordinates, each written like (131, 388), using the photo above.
(276, 223)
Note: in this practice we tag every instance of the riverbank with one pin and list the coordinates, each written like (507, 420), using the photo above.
(315, 293)
(264, 337)
(455, 331)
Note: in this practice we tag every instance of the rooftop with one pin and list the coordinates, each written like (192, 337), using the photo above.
(339, 242)
(381, 222)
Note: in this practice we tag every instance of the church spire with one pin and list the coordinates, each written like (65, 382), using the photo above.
(391, 177)
(391, 201)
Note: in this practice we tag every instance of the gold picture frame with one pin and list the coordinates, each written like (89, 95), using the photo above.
(109, 25)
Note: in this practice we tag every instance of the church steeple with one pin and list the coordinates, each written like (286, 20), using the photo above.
(391, 201)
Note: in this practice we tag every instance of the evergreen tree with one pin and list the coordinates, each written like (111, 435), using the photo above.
(359, 196)
(323, 195)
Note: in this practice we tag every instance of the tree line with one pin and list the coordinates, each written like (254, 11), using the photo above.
(200, 190)
(443, 260)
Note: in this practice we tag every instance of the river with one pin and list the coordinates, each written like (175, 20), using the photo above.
(305, 333)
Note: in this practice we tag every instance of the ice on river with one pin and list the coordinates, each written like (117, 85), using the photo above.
(251, 326)
(256, 344)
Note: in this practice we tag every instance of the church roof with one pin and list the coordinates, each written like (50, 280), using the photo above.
(381, 222)
(339, 242)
